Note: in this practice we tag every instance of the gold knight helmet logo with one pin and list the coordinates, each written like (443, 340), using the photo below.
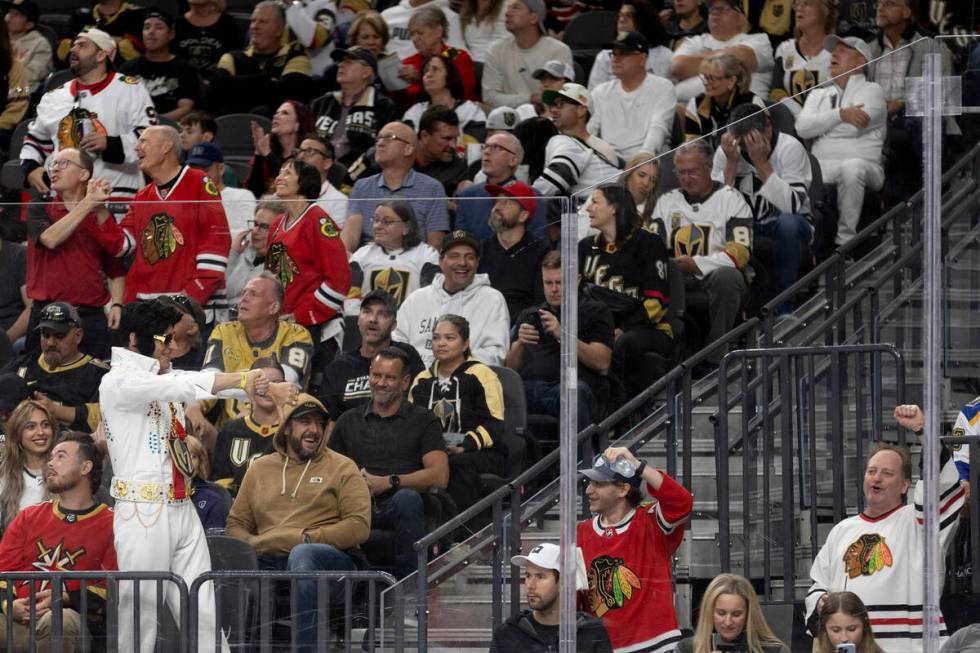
(690, 240)
(160, 238)
(392, 281)
(280, 264)
(866, 555)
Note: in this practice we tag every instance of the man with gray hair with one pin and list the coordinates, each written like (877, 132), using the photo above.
(99, 111)
(175, 227)
(270, 70)
(502, 156)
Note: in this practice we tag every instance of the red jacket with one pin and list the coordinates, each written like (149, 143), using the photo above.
(309, 259)
(181, 239)
(460, 58)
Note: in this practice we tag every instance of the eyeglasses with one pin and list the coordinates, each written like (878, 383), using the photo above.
(385, 222)
(388, 138)
(311, 151)
(719, 8)
(261, 226)
(493, 147)
(62, 164)
(165, 340)
(712, 79)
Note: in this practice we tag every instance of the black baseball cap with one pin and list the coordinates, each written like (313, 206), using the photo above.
(378, 295)
(160, 15)
(27, 7)
(60, 317)
(459, 237)
(357, 52)
(306, 404)
(631, 42)
(204, 154)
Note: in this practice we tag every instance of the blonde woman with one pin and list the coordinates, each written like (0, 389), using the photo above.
(801, 62)
(642, 180)
(30, 436)
(726, 86)
(844, 620)
(211, 500)
(731, 616)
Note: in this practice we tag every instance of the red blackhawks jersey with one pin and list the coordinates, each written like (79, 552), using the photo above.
(310, 260)
(180, 237)
(631, 586)
(46, 538)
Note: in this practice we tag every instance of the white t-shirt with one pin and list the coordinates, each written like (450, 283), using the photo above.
(761, 78)
(397, 19)
(636, 121)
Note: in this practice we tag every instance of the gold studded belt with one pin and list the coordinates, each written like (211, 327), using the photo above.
(123, 490)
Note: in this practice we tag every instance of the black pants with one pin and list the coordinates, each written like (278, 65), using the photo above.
(464, 475)
(95, 341)
(324, 351)
(629, 362)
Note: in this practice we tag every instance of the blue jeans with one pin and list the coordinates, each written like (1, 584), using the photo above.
(404, 513)
(310, 557)
(544, 398)
(791, 233)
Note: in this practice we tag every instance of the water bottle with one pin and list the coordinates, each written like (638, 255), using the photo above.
(623, 466)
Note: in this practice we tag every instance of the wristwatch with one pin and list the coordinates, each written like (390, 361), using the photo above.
(395, 480)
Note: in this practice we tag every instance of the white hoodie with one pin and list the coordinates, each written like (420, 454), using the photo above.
(483, 306)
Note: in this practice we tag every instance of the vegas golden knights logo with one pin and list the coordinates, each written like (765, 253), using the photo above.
(392, 281)
(280, 264)
(802, 80)
(611, 584)
(691, 240)
(240, 448)
(866, 555)
(160, 238)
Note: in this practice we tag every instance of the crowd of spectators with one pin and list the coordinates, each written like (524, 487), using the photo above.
(384, 234)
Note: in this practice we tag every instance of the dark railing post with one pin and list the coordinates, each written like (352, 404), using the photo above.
(837, 433)
(515, 547)
(721, 453)
(57, 605)
(788, 531)
(496, 563)
(422, 599)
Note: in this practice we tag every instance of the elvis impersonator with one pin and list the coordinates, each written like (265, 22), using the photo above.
(156, 527)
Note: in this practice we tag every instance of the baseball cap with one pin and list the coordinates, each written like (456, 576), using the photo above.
(378, 295)
(734, 4)
(631, 42)
(59, 317)
(357, 53)
(101, 40)
(556, 69)
(160, 15)
(538, 7)
(853, 42)
(306, 404)
(27, 7)
(13, 390)
(603, 472)
(502, 119)
(521, 192)
(459, 237)
(574, 92)
(204, 154)
(545, 555)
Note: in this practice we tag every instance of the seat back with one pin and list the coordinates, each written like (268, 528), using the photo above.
(11, 175)
(515, 418)
(782, 119)
(780, 617)
(231, 554)
(57, 78)
(590, 30)
(17, 139)
(235, 133)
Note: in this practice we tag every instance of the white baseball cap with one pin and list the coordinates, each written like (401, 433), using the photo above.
(556, 69)
(102, 40)
(502, 119)
(853, 42)
(546, 556)
(574, 92)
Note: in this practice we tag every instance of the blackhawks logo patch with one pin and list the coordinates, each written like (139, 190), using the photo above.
(73, 127)
(160, 238)
(280, 264)
(129, 79)
(611, 584)
(328, 228)
(866, 555)
(209, 187)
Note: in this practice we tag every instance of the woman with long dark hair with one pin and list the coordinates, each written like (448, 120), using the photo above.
(290, 123)
(844, 620)
(30, 436)
(308, 257)
(14, 89)
(467, 397)
(442, 85)
(397, 261)
(627, 269)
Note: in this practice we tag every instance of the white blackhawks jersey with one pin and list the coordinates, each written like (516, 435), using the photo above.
(398, 272)
(881, 560)
(572, 165)
(119, 107)
(716, 233)
(967, 423)
(314, 23)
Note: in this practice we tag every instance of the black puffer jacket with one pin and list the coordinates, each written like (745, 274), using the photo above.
(517, 634)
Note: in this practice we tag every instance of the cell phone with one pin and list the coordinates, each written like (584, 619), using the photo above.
(534, 319)
(718, 644)
(846, 648)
